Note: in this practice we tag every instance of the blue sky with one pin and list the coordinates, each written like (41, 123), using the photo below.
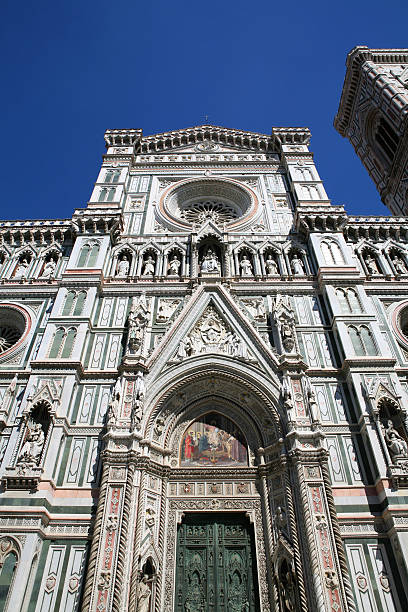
(73, 69)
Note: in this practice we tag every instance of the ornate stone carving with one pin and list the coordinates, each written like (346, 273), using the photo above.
(30, 453)
(138, 318)
(210, 263)
(297, 265)
(284, 317)
(396, 444)
(166, 308)
(211, 335)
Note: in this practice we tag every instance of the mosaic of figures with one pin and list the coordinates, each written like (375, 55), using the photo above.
(213, 440)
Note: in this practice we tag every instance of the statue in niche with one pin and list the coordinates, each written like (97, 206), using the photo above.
(287, 584)
(399, 265)
(297, 266)
(210, 263)
(371, 264)
(33, 445)
(22, 268)
(287, 336)
(246, 266)
(271, 266)
(144, 593)
(49, 269)
(174, 266)
(149, 265)
(396, 444)
(123, 266)
(138, 318)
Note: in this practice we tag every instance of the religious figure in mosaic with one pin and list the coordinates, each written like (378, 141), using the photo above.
(213, 440)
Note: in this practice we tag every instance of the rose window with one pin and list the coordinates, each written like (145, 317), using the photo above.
(8, 336)
(208, 210)
(197, 201)
(13, 326)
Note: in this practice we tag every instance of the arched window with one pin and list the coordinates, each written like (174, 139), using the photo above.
(112, 176)
(6, 577)
(213, 440)
(363, 341)
(79, 304)
(69, 304)
(74, 303)
(102, 194)
(111, 194)
(56, 345)
(88, 255)
(62, 343)
(93, 256)
(348, 300)
(368, 340)
(68, 344)
(331, 252)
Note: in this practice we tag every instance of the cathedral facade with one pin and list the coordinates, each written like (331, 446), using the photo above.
(204, 388)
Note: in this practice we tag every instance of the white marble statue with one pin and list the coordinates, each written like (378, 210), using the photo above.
(396, 444)
(399, 265)
(371, 264)
(33, 445)
(271, 266)
(246, 266)
(143, 594)
(174, 266)
(123, 266)
(22, 268)
(149, 266)
(49, 269)
(210, 262)
(297, 266)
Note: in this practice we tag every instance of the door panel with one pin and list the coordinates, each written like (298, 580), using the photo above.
(215, 565)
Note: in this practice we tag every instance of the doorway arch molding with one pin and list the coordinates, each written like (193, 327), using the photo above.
(258, 405)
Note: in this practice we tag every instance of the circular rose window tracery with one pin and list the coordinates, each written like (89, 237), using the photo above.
(197, 201)
(208, 210)
(14, 326)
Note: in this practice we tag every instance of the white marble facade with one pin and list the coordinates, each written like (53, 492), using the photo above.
(210, 336)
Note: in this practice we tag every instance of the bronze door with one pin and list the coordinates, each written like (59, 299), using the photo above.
(216, 566)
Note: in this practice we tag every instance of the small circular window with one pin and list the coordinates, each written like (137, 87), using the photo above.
(13, 327)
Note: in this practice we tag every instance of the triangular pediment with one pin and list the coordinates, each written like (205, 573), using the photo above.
(212, 324)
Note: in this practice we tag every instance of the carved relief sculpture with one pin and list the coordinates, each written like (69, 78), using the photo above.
(144, 594)
(138, 318)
